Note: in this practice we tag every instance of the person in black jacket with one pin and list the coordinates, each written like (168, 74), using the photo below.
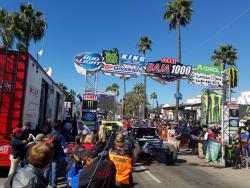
(97, 173)
(17, 150)
(40, 157)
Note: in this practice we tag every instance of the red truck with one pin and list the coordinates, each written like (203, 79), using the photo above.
(27, 93)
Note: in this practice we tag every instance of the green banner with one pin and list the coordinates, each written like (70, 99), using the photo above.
(213, 149)
(209, 69)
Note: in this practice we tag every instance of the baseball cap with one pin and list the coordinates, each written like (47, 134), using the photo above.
(88, 153)
(40, 137)
(16, 131)
(27, 124)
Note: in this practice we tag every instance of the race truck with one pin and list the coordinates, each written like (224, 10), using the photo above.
(27, 94)
(148, 144)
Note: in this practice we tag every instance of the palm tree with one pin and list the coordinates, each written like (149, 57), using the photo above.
(143, 46)
(6, 28)
(63, 87)
(179, 13)
(31, 23)
(114, 88)
(153, 96)
(226, 55)
(139, 94)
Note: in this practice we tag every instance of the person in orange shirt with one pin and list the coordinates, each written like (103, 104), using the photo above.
(122, 158)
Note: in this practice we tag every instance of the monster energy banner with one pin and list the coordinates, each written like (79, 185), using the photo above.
(89, 105)
(213, 149)
(210, 108)
(234, 77)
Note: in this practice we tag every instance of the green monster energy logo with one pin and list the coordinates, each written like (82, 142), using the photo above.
(90, 104)
(234, 77)
(111, 56)
(211, 108)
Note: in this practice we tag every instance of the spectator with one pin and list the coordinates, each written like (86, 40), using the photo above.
(17, 150)
(211, 133)
(40, 138)
(89, 141)
(40, 157)
(122, 159)
(97, 173)
(26, 132)
(55, 138)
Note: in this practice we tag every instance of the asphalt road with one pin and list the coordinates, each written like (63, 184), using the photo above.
(188, 172)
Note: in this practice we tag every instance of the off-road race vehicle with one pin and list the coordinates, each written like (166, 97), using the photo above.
(148, 144)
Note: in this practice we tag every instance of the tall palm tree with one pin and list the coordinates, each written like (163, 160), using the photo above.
(32, 24)
(226, 55)
(143, 46)
(153, 96)
(138, 98)
(179, 13)
(6, 28)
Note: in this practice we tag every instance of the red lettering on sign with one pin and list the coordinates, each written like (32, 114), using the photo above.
(168, 60)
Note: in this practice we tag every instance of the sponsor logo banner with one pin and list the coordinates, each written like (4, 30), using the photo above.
(168, 60)
(122, 69)
(89, 105)
(111, 56)
(87, 61)
(130, 59)
(208, 69)
(89, 97)
(89, 116)
(167, 71)
(205, 79)
(207, 75)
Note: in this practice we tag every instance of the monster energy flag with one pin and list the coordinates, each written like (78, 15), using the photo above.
(234, 77)
(213, 149)
(210, 108)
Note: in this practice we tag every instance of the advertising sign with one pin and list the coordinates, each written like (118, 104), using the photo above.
(111, 56)
(89, 116)
(89, 105)
(207, 75)
(233, 116)
(209, 69)
(213, 149)
(168, 60)
(130, 59)
(87, 61)
(90, 97)
(169, 69)
(121, 69)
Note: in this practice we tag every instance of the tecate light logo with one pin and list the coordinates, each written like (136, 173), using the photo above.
(89, 61)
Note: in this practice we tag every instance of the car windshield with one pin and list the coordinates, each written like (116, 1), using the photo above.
(110, 124)
(144, 133)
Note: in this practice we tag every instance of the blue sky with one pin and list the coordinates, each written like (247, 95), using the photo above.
(94, 25)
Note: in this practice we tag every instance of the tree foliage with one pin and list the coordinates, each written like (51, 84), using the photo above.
(70, 95)
(114, 88)
(134, 100)
(226, 55)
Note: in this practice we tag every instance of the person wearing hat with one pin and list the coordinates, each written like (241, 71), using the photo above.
(40, 138)
(97, 172)
(122, 159)
(17, 150)
(26, 132)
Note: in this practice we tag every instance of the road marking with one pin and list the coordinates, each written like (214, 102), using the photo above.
(150, 175)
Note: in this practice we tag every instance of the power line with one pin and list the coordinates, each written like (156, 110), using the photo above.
(226, 26)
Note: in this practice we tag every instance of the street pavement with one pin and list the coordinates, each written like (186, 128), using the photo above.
(188, 172)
